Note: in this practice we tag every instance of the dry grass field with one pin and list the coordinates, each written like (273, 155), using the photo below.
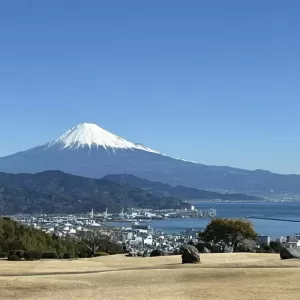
(219, 276)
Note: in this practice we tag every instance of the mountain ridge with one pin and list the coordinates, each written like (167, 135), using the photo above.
(86, 156)
(178, 191)
(59, 192)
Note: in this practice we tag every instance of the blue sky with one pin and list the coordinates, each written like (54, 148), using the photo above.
(211, 81)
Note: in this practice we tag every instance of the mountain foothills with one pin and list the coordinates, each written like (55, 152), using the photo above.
(90, 151)
(58, 192)
(165, 190)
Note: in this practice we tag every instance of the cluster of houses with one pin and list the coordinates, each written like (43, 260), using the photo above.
(141, 238)
(138, 237)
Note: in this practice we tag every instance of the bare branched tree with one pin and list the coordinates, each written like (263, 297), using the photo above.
(93, 240)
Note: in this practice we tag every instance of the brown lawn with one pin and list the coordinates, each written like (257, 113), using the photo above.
(219, 276)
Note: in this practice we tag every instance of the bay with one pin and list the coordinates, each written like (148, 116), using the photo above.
(272, 228)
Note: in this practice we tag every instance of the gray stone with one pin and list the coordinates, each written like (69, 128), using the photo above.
(190, 254)
(290, 253)
(157, 252)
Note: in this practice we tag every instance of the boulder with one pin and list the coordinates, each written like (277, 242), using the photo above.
(157, 252)
(290, 253)
(190, 254)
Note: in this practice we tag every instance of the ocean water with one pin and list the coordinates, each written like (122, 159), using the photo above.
(273, 228)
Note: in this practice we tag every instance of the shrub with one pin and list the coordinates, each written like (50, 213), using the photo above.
(267, 248)
(276, 246)
(100, 254)
(83, 255)
(3, 254)
(32, 255)
(49, 255)
(176, 252)
(67, 256)
(14, 257)
(260, 250)
(246, 246)
(202, 248)
(20, 253)
(216, 248)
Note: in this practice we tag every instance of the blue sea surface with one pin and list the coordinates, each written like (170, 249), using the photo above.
(273, 228)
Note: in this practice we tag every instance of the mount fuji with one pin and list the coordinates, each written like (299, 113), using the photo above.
(90, 151)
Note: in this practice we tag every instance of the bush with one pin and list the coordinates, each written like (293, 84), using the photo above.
(14, 257)
(216, 249)
(32, 255)
(202, 248)
(267, 249)
(49, 255)
(276, 246)
(20, 253)
(3, 254)
(100, 254)
(67, 256)
(260, 250)
(83, 255)
(176, 252)
(246, 246)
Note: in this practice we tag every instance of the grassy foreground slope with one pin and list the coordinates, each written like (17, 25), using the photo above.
(219, 276)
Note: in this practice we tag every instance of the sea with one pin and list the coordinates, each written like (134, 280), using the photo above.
(289, 211)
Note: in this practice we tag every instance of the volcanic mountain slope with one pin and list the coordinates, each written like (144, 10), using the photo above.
(165, 190)
(58, 192)
(90, 151)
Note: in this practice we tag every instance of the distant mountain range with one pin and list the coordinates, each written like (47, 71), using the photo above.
(165, 190)
(58, 192)
(90, 151)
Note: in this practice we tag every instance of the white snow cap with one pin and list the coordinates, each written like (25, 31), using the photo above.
(87, 134)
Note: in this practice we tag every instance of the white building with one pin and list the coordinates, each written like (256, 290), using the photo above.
(263, 240)
(293, 244)
(148, 240)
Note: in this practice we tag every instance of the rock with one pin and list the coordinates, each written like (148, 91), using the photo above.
(190, 254)
(157, 252)
(288, 253)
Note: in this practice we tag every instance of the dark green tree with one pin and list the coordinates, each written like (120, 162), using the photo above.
(227, 232)
(276, 246)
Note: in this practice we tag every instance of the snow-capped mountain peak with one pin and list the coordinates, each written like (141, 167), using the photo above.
(87, 134)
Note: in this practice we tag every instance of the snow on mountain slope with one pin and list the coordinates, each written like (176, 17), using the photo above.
(90, 151)
(87, 134)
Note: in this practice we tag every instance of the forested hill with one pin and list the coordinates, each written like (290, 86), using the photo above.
(182, 192)
(58, 192)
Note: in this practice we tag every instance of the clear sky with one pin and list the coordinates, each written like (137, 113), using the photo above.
(216, 82)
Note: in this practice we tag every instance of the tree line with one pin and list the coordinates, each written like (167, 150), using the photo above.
(26, 242)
